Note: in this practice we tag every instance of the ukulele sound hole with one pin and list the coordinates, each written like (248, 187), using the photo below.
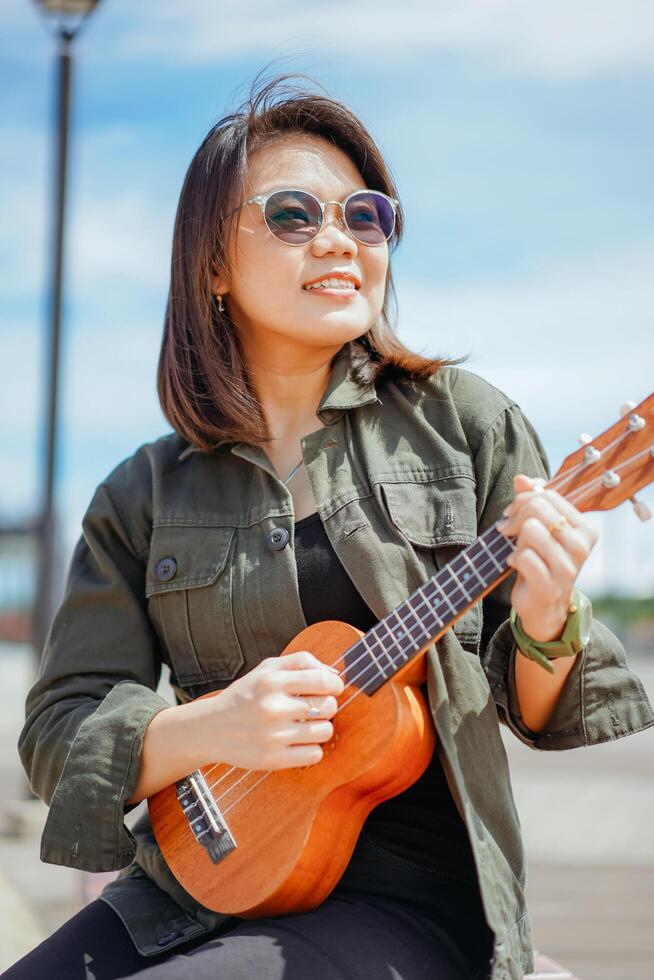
(205, 820)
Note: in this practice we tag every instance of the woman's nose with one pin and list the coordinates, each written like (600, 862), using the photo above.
(335, 232)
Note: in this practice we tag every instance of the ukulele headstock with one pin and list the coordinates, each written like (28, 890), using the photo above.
(611, 468)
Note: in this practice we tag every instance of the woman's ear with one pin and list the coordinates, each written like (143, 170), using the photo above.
(219, 284)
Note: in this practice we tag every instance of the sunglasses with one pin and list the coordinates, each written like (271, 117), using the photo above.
(295, 217)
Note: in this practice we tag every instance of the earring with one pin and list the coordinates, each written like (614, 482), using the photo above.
(221, 308)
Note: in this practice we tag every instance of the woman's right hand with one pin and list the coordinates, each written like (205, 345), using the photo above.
(261, 721)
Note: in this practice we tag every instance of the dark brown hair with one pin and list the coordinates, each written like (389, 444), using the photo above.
(202, 379)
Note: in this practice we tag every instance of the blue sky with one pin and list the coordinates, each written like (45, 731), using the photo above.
(520, 136)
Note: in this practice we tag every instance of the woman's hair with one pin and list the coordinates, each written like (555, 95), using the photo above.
(202, 379)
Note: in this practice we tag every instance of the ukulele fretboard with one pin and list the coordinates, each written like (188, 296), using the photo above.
(412, 625)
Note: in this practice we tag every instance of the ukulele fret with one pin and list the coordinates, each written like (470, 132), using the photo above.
(480, 579)
(459, 583)
(419, 624)
(425, 601)
(395, 641)
(442, 594)
(403, 631)
(376, 663)
(492, 556)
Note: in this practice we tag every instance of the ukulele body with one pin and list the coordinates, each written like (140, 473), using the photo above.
(295, 830)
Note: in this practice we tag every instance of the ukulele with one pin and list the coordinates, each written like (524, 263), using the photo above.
(254, 843)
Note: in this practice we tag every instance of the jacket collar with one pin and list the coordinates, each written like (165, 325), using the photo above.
(342, 393)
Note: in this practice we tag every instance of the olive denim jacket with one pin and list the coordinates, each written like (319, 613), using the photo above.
(175, 565)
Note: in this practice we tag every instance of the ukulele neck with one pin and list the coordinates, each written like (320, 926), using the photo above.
(429, 611)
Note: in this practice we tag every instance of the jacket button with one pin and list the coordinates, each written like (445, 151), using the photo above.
(277, 538)
(165, 569)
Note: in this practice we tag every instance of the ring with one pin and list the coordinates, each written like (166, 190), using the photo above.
(314, 711)
(558, 524)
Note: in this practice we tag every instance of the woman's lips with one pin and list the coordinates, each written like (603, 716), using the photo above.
(333, 291)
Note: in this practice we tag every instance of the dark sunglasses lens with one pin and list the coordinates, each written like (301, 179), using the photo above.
(293, 216)
(370, 217)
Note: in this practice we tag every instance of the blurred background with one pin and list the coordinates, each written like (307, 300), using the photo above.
(520, 136)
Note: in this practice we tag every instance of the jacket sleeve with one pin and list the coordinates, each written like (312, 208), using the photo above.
(602, 698)
(86, 713)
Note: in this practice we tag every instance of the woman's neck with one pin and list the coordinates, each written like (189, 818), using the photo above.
(290, 390)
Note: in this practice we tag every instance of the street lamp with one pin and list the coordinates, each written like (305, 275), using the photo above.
(65, 18)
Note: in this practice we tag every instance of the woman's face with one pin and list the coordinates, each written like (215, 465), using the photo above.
(266, 298)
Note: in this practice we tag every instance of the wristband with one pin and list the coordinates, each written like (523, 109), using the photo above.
(574, 638)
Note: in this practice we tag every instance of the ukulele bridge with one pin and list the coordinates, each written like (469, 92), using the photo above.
(205, 820)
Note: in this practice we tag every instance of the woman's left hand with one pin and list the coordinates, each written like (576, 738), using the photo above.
(552, 542)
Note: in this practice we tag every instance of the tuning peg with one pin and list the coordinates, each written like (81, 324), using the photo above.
(643, 513)
(584, 439)
(626, 408)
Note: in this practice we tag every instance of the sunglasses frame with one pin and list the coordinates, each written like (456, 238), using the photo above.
(262, 200)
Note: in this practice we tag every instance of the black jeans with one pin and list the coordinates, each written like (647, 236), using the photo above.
(345, 938)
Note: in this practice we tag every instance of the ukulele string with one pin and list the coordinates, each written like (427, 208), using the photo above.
(233, 785)
(488, 563)
(568, 475)
(364, 655)
(574, 497)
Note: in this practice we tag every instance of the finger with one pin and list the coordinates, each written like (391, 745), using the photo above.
(526, 486)
(299, 756)
(522, 483)
(535, 573)
(561, 565)
(298, 660)
(305, 732)
(548, 506)
(538, 496)
(307, 681)
(535, 506)
(299, 708)
(577, 541)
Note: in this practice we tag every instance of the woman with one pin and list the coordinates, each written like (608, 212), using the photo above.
(317, 470)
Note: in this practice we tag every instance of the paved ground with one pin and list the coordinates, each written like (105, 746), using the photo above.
(588, 825)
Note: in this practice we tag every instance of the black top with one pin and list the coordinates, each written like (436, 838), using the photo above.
(411, 839)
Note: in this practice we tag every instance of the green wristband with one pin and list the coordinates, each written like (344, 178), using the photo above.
(574, 638)
(527, 646)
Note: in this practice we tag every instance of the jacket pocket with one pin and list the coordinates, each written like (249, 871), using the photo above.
(190, 602)
(439, 519)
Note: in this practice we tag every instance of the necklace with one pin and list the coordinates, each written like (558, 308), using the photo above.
(293, 472)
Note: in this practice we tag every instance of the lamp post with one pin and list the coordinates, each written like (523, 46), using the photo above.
(65, 19)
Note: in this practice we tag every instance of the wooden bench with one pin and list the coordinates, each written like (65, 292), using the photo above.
(544, 967)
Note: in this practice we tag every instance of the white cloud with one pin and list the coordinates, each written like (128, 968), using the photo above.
(551, 38)
(23, 192)
(120, 242)
(114, 235)
(531, 37)
(570, 342)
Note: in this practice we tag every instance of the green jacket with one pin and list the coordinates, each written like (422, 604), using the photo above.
(403, 476)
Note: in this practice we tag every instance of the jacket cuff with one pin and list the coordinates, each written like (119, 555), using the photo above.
(85, 824)
(602, 698)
